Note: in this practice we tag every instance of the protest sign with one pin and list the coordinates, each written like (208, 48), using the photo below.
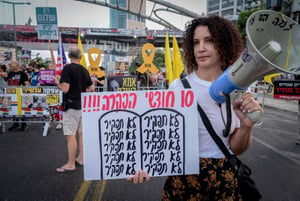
(151, 130)
(29, 101)
(46, 77)
(46, 18)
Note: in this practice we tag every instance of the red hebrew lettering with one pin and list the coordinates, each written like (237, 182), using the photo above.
(119, 100)
(187, 98)
(84, 104)
(106, 105)
(98, 103)
(126, 101)
(170, 99)
(132, 103)
(113, 98)
(159, 99)
(151, 97)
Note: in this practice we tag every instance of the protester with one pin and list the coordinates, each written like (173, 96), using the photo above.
(3, 82)
(3, 75)
(17, 78)
(34, 75)
(211, 45)
(160, 80)
(25, 70)
(100, 81)
(74, 80)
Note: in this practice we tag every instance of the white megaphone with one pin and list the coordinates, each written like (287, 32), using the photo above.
(273, 44)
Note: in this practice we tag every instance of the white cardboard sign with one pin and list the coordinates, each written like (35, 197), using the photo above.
(151, 130)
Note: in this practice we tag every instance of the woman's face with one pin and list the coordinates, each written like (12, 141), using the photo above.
(206, 55)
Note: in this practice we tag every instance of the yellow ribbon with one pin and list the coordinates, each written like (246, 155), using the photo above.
(95, 63)
(148, 59)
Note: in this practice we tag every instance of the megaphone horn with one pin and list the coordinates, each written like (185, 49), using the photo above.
(273, 44)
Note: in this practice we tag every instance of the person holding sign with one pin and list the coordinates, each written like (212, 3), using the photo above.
(74, 80)
(211, 45)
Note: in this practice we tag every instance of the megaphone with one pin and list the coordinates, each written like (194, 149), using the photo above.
(273, 45)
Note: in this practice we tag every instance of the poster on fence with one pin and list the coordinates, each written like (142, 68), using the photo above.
(29, 101)
(121, 83)
(151, 130)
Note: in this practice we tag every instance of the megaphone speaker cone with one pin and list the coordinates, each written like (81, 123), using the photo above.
(273, 45)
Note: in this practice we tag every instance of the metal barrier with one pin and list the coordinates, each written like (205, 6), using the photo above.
(30, 104)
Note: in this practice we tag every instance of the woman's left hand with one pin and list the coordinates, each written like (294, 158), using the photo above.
(246, 104)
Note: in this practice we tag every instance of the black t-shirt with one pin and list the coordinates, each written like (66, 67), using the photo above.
(79, 79)
(16, 78)
(100, 85)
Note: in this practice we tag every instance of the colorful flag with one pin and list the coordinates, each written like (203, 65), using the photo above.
(82, 60)
(168, 62)
(61, 57)
(178, 66)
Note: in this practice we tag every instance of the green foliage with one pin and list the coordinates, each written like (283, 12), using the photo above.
(41, 63)
(242, 20)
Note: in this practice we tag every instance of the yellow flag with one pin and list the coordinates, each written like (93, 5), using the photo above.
(82, 60)
(168, 63)
(178, 66)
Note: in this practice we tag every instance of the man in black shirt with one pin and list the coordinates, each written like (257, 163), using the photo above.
(16, 77)
(74, 80)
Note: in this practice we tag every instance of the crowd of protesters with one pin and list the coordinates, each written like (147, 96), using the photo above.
(20, 74)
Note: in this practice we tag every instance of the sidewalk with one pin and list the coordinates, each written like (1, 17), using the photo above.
(269, 101)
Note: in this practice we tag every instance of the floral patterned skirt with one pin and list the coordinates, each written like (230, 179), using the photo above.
(217, 181)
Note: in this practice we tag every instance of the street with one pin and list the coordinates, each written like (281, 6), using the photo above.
(28, 162)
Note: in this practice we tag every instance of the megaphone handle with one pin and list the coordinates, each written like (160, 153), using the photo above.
(254, 116)
(237, 94)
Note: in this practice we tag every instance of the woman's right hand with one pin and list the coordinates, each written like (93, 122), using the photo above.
(139, 177)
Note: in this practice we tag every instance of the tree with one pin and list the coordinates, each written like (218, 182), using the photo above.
(41, 63)
(242, 20)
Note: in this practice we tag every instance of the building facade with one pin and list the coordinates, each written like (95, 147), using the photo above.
(123, 20)
(230, 9)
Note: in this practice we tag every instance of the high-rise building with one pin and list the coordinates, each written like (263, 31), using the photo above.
(121, 19)
(117, 18)
(225, 8)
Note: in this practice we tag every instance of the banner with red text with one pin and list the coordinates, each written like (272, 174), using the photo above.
(151, 130)
(287, 89)
(30, 102)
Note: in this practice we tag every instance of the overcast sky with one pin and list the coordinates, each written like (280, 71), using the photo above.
(78, 14)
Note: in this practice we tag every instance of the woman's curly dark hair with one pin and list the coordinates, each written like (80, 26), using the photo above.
(225, 35)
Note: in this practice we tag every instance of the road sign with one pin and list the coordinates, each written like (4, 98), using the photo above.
(46, 18)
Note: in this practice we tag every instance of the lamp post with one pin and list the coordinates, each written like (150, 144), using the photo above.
(14, 15)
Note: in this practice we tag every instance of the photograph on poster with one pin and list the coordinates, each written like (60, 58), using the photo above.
(27, 102)
(5, 102)
(121, 83)
(39, 102)
(34, 102)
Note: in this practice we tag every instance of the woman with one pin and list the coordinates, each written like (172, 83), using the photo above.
(211, 45)
(3, 75)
